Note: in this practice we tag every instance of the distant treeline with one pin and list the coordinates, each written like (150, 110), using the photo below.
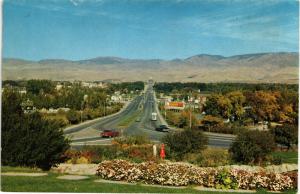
(129, 86)
(222, 87)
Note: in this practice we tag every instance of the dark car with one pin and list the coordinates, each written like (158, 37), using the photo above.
(162, 128)
(109, 133)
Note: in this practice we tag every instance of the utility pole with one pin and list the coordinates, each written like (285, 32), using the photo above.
(105, 107)
(190, 107)
(81, 112)
(190, 117)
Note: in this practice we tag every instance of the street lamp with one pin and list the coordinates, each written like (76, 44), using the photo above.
(190, 107)
(82, 106)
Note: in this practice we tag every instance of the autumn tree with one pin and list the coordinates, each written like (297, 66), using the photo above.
(237, 100)
(288, 111)
(210, 121)
(263, 104)
(218, 105)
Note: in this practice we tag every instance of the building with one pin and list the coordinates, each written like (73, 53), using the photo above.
(27, 106)
(174, 105)
(116, 98)
(22, 91)
(58, 87)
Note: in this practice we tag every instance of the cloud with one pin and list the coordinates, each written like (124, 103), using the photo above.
(74, 2)
(78, 2)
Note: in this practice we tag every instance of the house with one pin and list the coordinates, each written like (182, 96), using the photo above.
(22, 91)
(58, 87)
(166, 99)
(28, 107)
(116, 98)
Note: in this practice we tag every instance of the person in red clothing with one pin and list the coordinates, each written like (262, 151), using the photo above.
(162, 152)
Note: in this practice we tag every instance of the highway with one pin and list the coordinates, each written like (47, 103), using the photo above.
(141, 107)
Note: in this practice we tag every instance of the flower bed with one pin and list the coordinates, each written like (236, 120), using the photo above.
(180, 174)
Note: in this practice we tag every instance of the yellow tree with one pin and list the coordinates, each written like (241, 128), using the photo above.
(264, 104)
(237, 100)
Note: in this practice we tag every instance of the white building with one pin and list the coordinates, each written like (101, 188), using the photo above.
(116, 98)
(58, 87)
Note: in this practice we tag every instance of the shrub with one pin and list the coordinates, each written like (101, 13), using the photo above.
(210, 157)
(252, 147)
(224, 180)
(73, 117)
(214, 157)
(228, 129)
(59, 120)
(183, 142)
(276, 160)
(133, 140)
(286, 135)
(98, 153)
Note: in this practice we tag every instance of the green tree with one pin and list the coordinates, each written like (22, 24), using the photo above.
(187, 141)
(286, 135)
(252, 147)
(28, 140)
(39, 86)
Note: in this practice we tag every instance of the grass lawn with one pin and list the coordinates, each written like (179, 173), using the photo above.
(287, 157)
(51, 184)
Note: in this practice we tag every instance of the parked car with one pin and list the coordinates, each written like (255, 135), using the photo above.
(109, 133)
(162, 128)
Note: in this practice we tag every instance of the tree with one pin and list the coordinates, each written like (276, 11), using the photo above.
(39, 86)
(264, 105)
(288, 111)
(210, 122)
(218, 105)
(186, 141)
(286, 135)
(28, 140)
(184, 119)
(237, 100)
(252, 147)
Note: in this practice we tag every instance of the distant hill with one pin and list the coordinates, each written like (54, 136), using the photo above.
(260, 67)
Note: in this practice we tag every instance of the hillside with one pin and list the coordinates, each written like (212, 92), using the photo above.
(261, 67)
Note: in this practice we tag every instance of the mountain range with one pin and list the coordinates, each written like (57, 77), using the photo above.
(279, 67)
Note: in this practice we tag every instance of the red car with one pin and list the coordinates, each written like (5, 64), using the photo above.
(109, 133)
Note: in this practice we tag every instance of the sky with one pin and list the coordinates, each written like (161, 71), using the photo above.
(147, 29)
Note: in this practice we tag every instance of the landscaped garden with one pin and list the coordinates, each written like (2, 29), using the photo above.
(51, 183)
